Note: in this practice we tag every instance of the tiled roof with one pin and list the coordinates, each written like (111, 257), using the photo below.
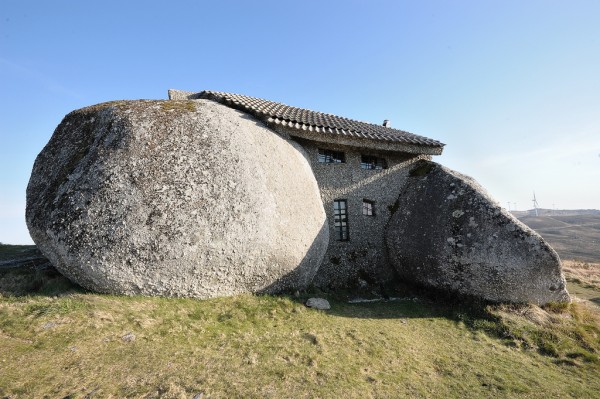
(310, 123)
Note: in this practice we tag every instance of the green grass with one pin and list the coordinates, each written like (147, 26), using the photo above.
(584, 291)
(263, 346)
(57, 341)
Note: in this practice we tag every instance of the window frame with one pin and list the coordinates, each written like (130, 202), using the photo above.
(369, 207)
(372, 162)
(340, 219)
(327, 156)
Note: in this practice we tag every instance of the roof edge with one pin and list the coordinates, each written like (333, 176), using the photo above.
(320, 133)
(359, 142)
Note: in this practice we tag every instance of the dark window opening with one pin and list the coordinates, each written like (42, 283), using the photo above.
(368, 208)
(340, 219)
(371, 162)
(330, 156)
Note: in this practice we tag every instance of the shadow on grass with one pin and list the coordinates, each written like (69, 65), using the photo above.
(595, 300)
(567, 333)
(32, 279)
(400, 308)
(402, 301)
(24, 271)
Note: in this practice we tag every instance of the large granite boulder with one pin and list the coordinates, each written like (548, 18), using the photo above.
(176, 198)
(449, 234)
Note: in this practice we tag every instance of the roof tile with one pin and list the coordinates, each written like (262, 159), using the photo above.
(303, 119)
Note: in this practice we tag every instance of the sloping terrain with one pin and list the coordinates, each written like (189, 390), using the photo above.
(57, 340)
(20, 255)
(78, 344)
(574, 237)
(554, 212)
(583, 280)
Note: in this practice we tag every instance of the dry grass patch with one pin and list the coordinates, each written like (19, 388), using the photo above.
(584, 273)
(583, 280)
(570, 333)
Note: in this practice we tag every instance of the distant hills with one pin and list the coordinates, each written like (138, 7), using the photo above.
(556, 212)
(574, 234)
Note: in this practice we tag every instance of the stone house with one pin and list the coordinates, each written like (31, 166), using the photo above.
(213, 194)
(360, 168)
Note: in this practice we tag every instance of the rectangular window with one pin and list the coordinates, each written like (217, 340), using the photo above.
(330, 156)
(368, 208)
(340, 219)
(371, 162)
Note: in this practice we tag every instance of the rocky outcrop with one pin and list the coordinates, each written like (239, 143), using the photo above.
(449, 234)
(176, 198)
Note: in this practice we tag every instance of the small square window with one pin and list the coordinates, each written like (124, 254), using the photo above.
(368, 208)
(371, 162)
(330, 156)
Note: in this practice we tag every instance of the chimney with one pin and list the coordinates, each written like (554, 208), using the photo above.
(386, 123)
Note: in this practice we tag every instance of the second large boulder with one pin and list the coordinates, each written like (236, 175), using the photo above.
(447, 233)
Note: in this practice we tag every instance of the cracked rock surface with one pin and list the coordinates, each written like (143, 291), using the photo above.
(175, 198)
(448, 233)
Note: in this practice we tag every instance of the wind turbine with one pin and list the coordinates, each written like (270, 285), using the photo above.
(535, 204)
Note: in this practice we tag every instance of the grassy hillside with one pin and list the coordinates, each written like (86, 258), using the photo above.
(575, 237)
(59, 341)
(13, 255)
(583, 280)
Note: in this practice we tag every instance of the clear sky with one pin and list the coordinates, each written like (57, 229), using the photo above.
(512, 87)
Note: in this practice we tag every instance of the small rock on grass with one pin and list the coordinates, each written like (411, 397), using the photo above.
(318, 303)
(129, 337)
(49, 325)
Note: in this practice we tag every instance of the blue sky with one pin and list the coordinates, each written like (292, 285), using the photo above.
(512, 87)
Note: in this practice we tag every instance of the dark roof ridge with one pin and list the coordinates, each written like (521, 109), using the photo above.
(307, 122)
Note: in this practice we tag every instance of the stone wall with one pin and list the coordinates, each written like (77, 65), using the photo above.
(363, 256)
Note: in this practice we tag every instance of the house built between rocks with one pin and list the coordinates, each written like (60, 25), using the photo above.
(211, 194)
(360, 169)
